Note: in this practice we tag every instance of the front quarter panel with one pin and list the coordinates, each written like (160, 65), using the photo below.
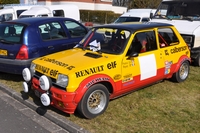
(90, 81)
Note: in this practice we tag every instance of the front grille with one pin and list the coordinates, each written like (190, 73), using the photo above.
(38, 75)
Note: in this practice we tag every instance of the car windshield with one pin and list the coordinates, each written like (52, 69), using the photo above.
(26, 16)
(11, 33)
(105, 40)
(179, 10)
(127, 19)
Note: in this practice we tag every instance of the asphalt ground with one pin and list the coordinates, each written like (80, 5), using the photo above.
(54, 117)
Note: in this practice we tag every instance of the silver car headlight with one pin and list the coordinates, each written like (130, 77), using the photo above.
(32, 68)
(188, 39)
(62, 80)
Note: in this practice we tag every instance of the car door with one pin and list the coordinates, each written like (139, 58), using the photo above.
(139, 67)
(55, 36)
(170, 47)
(51, 40)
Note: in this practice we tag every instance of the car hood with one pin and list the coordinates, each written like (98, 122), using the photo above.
(73, 61)
(181, 25)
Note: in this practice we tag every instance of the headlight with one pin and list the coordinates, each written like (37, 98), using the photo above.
(62, 80)
(32, 68)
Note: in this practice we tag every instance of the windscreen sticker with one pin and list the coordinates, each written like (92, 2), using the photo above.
(89, 71)
(58, 63)
(95, 46)
(148, 66)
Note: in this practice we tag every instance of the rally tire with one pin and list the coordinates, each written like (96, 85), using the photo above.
(94, 102)
(197, 61)
(183, 72)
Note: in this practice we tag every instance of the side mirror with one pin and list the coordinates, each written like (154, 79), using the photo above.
(134, 54)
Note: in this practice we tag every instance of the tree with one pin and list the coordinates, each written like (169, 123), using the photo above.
(121, 2)
(9, 2)
(137, 3)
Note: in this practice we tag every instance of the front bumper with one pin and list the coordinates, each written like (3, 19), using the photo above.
(14, 66)
(60, 99)
(195, 52)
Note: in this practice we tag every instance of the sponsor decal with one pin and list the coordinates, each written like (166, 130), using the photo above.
(125, 64)
(95, 81)
(176, 50)
(166, 52)
(128, 64)
(183, 60)
(46, 70)
(132, 63)
(167, 71)
(89, 71)
(168, 66)
(179, 49)
(128, 76)
(112, 65)
(117, 77)
(58, 63)
(128, 83)
(127, 80)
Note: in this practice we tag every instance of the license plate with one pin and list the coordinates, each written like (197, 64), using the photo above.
(3, 52)
(37, 93)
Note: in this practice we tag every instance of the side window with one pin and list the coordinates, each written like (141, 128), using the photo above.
(7, 17)
(52, 30)
(145, 19)
(75, 29)
(19, 12)
(58, 13)
(143, 42)
(167, 37)
(42, 15)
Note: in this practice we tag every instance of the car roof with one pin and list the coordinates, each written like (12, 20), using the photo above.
(34, 20)
(134, 26)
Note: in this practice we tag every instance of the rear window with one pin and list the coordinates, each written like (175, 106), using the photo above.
(11, 33)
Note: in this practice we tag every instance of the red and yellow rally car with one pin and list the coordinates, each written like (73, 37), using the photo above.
(110, 61)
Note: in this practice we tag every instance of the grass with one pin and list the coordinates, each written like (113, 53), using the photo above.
(164, 107)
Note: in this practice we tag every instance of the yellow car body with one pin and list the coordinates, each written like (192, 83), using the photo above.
(93, 75)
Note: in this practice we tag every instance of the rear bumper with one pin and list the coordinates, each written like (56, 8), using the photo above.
(14, 66)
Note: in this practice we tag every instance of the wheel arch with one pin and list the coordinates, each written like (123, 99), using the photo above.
(181, 60)
(106, 80)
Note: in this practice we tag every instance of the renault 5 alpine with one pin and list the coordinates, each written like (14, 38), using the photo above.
(110, 61)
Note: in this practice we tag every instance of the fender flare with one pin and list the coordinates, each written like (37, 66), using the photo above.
(90, 81)
(181, 60)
